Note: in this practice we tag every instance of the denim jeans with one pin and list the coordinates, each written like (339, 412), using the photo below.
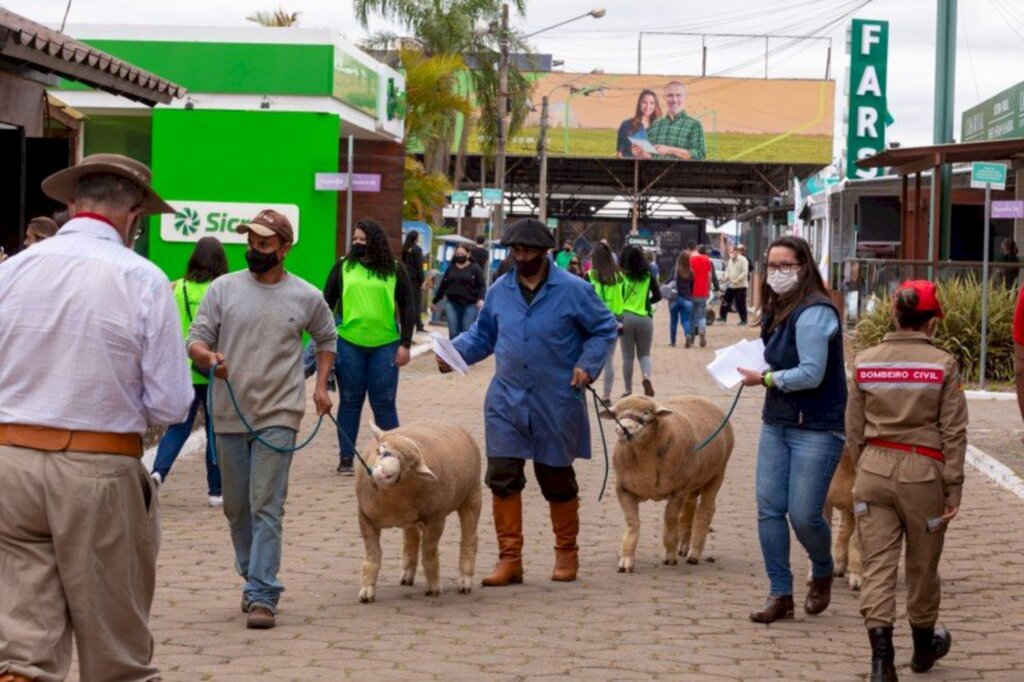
(175, 437)
(679, 313)
(699, 316)
(255, 488)
(361, 372)
(794, 469)
(461, 316)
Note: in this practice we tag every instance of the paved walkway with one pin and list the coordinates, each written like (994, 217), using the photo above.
(671, 622)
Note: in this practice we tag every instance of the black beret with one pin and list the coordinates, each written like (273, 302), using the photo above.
(529, 232)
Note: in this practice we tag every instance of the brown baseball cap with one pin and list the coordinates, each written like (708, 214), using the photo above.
(268, 224)
(61, 185)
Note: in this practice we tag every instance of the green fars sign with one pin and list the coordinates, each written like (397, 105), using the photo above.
(196, 219)
(869, 56)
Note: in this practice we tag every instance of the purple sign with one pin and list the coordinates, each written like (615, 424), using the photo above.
(1008, 209)
(338, 182)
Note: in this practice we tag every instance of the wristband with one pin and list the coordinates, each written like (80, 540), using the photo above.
(766, 379)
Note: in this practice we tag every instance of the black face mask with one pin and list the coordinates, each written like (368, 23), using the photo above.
(260, 262)
(358, 251)
(461, 259)
(531, 267)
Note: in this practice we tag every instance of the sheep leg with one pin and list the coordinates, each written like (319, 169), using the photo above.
(686, 523)
(856, 568)
(631, 510)
(432, 531)
(841, 544)
(469, 518)
(410, 554)
(702, 518)
(371, 559)
(670, 532)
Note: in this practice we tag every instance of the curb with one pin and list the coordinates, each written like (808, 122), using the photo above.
(990, 395)
(995, 471)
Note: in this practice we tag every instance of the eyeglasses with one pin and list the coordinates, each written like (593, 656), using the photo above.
(784, 268)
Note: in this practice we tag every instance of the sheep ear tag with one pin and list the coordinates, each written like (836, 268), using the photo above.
(663, 412)
(423, 471)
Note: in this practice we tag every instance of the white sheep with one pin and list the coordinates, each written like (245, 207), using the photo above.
(658, 463)
(421, 473)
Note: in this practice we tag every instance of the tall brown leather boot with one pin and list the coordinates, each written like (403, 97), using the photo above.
(508, 524)
(565, 521)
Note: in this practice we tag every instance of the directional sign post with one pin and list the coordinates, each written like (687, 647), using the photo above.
(987, 176)
(492, 196)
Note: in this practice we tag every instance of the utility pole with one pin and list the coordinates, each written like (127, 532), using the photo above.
(945, 78)
(543, 199)
(499, 161)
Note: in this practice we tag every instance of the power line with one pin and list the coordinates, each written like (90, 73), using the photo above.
(970, 56)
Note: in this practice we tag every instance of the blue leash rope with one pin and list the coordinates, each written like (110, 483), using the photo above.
(256, 436)
(735, 401)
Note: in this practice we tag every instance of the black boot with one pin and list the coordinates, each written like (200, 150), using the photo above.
(930, 644)
(883, 656)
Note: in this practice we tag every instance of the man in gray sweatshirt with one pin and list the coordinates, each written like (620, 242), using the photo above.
(254, 320)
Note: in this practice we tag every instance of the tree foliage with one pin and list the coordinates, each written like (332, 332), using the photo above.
(278, 18)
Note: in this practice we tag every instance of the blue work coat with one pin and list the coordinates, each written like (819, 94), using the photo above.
(531, 410)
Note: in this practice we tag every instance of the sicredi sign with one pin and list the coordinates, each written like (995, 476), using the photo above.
(869, 56)
(196, 219)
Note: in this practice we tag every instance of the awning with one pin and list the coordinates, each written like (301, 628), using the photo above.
(905, 161)
(26, 43)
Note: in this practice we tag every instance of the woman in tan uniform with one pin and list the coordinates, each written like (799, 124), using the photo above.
(906, 427)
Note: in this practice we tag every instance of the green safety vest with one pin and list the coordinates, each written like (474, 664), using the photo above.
(610, 294)
(368, 307)
(188, 307)
(634, 296)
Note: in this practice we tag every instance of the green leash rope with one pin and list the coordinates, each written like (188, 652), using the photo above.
(706, 441)
(256, 436)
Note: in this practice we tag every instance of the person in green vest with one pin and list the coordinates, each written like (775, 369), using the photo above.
(606, 278)
(639, 292)
(207, 263)
(371, 294)
(563, 257)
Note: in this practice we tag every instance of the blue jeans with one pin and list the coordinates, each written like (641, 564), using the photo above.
(255, 488)
(175, 437)
(679, 312)
(794, 469)
(361, 371)
(461, 316)
(699, 316)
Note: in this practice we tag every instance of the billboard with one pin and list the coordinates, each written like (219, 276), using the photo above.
(681, 118)
(998, 118)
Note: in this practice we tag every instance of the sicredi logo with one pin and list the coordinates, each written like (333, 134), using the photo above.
(196, 219)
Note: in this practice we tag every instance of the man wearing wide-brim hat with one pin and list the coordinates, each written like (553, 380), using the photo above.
(550, 335)
(92, 356)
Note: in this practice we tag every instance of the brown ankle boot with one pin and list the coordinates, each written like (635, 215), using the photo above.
(565, 521)
(508, 524)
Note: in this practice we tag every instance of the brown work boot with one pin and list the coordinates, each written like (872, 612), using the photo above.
(260, 618)
(775, 608)
(565, 521)
(819, 596)
(508, 524)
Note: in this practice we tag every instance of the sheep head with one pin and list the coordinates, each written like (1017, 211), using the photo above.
(397, 456)
(633, 415)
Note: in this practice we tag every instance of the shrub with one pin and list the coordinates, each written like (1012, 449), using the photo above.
(959, 331)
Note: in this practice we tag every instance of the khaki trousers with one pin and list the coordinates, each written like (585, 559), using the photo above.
(902, 490)
(79, 535)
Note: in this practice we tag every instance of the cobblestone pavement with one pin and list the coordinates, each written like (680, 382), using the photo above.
(996, 428)
(669, 622)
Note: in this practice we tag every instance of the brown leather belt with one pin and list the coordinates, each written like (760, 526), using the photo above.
(59, 440)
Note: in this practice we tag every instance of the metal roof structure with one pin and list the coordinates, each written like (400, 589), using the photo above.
(24, 43)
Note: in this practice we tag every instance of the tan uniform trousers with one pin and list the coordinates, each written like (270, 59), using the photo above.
(902, 490)
(79, 535)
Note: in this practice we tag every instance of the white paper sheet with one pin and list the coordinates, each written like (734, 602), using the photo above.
(745, 354)
(644, 144)
(444, 349)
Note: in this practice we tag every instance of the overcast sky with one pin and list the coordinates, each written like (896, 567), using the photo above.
(990, 38)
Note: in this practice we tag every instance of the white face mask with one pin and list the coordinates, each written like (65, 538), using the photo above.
(782, 283)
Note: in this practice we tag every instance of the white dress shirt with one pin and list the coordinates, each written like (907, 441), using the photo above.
(89, 336)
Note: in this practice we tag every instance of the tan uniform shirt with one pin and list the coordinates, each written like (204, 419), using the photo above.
(737, 270)
(905, 390)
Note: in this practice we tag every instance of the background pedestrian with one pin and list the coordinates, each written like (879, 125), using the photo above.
(639, 292)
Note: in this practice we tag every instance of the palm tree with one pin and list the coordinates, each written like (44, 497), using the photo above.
(276, 19)
(438, 28)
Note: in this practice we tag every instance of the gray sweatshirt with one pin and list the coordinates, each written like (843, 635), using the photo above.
(258, 327)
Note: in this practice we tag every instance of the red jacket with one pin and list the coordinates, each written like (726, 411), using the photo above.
(701, 266)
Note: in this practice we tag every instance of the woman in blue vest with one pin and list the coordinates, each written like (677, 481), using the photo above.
(804, 419)
(370, 293)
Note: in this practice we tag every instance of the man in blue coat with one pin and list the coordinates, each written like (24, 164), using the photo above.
(550, 335)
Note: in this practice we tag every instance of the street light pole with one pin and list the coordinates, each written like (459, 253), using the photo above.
(499, 161)
(544, 159)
